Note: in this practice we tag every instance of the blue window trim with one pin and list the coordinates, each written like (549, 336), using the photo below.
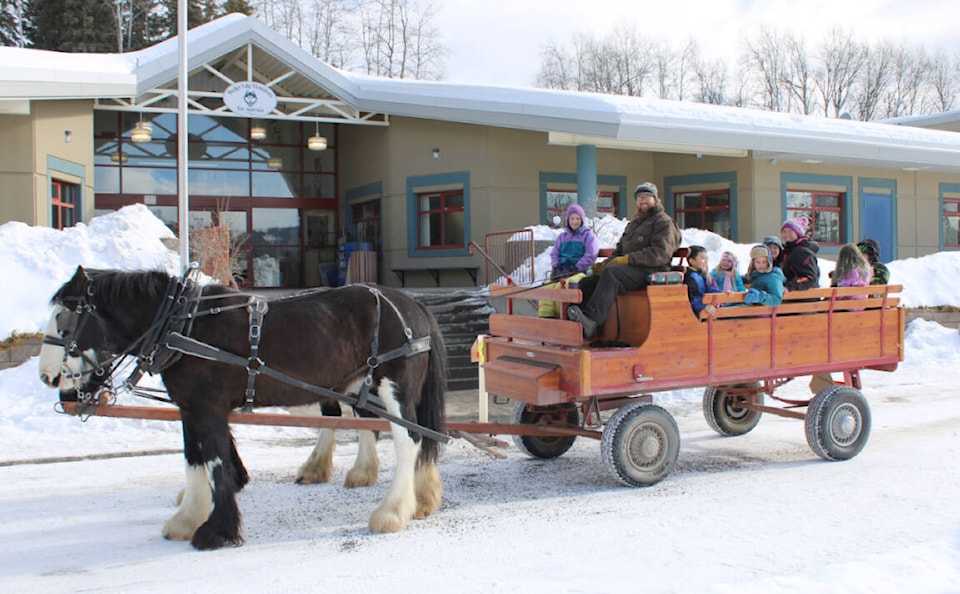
(786, 179)
(68, 168)
(548, 178)
(459, 179)
(724, 177)
(864, 185)
(944, 188)
(374, 191)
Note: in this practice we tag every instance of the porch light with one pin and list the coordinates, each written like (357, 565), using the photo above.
(142, 132)
(258, 133)
(317, 142)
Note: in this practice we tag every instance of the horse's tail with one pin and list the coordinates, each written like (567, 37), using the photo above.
(431, 406)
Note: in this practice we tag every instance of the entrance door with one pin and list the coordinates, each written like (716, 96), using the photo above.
(876, 222)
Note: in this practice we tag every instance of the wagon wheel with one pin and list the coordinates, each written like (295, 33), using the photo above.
(640, 444)
(724, 414)
(838, 423)
(544, 447)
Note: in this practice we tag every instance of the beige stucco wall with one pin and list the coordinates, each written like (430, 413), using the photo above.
(26, 143)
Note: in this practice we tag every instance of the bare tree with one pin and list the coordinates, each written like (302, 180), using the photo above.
(329, 32)
(555, 69)
(766, 60)
(711, 78)
(944, 81)
(798, 75)
(841, 59)
(873, 80)
(664, 63)
(686, 66)
(398, 39)
(907, 77)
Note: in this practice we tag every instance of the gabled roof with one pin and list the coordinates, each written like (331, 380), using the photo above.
(569, 118)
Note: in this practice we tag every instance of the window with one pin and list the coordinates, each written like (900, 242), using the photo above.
(558, 201)
(708, 210)
(440, 220)
(64, 199)
(951, 222)
(824, 210)
(366, 222)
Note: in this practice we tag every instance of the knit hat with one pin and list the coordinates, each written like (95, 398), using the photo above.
(760, 251)
(646, 188)
(772, 240)
(797, 224)
(575, 209)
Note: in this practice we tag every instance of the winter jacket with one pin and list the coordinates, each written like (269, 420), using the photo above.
(698, 284)
(574, 251)
(736, 280)
(881, 274)
(770, 285)
(854, 278)
(649, 242)
(800, 266)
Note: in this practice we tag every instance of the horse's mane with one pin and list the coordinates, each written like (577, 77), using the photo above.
(113, 287)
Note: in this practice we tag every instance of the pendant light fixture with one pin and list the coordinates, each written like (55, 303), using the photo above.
(317, 142)
(258, 132)
(142, 131)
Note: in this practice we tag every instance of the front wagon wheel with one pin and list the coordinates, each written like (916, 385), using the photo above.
(640, 444)
(547, 446)
(724, 412)
(838, 423)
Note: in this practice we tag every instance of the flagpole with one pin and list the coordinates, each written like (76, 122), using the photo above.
(183, 202)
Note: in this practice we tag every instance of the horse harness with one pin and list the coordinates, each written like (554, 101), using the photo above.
(168, 339)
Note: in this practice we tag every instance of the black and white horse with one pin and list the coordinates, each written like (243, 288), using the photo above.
(338, 340)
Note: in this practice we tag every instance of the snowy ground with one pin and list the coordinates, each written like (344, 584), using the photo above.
(756, 513)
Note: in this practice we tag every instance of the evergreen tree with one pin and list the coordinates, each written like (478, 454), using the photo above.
(12, 30)
(241, 6)
(73, 25)
(163, 22)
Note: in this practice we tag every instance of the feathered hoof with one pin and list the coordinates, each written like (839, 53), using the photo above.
(311, 474)
(429, 490)
(386, 520)
(206, 539)
(179, 527)
(361, 477)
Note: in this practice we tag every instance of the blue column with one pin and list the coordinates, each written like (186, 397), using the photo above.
(587, 178)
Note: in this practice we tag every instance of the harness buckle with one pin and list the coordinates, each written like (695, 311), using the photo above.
(254, 331)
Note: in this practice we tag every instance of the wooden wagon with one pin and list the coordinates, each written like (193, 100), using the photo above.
(651, 341)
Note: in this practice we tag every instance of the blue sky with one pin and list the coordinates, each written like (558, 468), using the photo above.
(499, 41)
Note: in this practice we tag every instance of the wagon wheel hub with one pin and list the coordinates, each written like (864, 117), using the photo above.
(845, 424)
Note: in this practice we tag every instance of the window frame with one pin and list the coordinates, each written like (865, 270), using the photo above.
(442, 211)
(945, 216)
(704, 208)
(61, 194)
(812, 211)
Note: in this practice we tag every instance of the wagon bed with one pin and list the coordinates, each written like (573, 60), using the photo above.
(651, 341)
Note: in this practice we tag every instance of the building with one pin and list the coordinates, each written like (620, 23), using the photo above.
(418, 169)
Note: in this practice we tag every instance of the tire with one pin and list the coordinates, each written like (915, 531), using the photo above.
(544, 447)
(723, 413)
(640, 444)
(838, 423)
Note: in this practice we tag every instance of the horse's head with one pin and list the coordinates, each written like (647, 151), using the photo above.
(74, 349)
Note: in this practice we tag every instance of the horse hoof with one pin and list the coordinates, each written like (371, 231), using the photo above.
(385, 521)
(361, 477)
(312, 476)
(429, 489)
(177, 529)
(207, 539)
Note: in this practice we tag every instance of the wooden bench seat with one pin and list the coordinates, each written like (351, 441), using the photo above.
(401, 272)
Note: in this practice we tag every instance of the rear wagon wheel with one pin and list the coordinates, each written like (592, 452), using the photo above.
(544, 447)
(838, 423)
(640, 444)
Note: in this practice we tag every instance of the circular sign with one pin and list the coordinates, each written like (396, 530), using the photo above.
(250, 98)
